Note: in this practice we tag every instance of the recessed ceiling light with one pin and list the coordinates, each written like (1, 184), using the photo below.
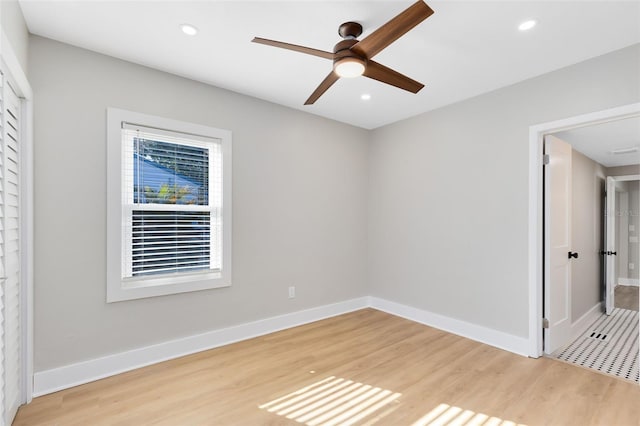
(629, 150)
(527, 25)
(189, 29)
(365, 97)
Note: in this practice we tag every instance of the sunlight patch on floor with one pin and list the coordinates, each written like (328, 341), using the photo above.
(332, 401)
(446, 415)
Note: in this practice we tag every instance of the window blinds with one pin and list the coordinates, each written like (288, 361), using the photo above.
(171, 199)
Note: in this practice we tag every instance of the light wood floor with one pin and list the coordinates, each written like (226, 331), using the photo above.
(364, 368)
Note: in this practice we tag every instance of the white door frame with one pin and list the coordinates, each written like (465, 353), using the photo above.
(536, 273)
(609, 244)
(20, 84)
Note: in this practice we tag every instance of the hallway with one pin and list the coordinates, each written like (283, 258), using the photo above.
(610, 345)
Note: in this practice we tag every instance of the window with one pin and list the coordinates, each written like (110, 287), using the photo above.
(169, 206)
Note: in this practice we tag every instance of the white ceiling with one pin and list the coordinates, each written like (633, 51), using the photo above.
(466, 48)
(598, 141)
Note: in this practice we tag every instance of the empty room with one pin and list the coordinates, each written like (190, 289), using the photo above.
(319, 213)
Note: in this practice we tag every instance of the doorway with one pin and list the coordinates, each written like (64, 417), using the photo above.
(536, 222)
(586, 236)
(621, 251)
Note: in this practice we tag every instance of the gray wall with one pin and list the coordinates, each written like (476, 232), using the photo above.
(315, 204)
(466, 256)
(623, 170)
(299, 203)
(13, 25)
(587, 233)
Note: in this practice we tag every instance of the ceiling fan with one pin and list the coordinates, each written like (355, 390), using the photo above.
(352, 58)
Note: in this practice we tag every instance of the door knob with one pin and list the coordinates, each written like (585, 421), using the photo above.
(612, 253)
(573, 254)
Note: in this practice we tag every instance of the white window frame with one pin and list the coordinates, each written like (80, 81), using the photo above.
(120, 288)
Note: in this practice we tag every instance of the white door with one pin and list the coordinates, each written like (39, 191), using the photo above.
(610, 246)
(10, 257)
(557, 240)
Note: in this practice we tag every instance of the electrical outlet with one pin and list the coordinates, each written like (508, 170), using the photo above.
(632, 266)
(292, 292)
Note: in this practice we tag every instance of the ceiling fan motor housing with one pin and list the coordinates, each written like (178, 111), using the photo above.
(350, 30)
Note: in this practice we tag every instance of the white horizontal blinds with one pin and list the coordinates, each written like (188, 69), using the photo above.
(171, 208)
(11, 248)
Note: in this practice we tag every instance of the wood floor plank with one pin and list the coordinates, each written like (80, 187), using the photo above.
(362, 368)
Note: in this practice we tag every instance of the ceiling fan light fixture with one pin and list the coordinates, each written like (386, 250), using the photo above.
(349, 67)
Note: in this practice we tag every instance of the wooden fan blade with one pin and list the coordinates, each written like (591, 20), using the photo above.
(295, 47)
(392, 30)
(381, 73)
(326, 83)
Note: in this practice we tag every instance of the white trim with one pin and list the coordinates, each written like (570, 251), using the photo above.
(67, 376)
(536, 141)
(12, 64)
(87, 371)
(499, 339)
(20, 83)
(27, 244)
(634, 282)
(626, 178)
(536, 135)
(589, 317)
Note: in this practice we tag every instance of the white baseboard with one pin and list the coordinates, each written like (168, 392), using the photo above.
(56, 379)
(49, 381)
(635, 282)
(580, 326)
(499, 339)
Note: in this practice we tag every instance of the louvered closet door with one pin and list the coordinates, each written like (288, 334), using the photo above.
(2, 257)
(10, 251)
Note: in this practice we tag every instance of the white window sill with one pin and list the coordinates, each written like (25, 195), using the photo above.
(139, 288)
